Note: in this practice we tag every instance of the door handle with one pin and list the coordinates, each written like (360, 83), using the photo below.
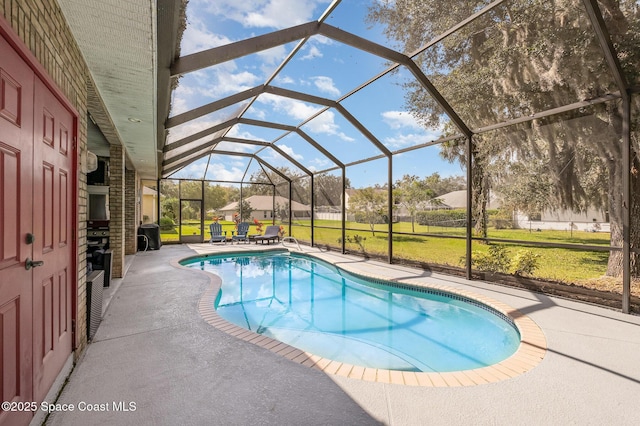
(28, 264)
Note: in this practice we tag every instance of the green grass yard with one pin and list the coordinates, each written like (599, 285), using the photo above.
(571, 266)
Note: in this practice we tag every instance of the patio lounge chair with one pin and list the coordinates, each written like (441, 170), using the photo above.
(270, 234)
(217, 235)
(241, 233)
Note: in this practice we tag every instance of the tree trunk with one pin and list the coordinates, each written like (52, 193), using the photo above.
(616, 258)
(479, 196)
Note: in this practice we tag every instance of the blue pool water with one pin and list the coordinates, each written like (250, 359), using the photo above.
(319, 308)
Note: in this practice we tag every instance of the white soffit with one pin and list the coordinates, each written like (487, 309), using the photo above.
(117, 39)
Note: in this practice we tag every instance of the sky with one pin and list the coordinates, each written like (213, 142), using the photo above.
(323, 67)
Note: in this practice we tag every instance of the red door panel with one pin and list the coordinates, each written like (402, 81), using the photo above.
(36, 191)
(52, 224)
(16, 157)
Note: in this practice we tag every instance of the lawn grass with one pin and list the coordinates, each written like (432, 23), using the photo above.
(193, 228)
(571, 266)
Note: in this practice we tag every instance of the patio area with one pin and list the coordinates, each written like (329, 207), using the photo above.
(160, 362)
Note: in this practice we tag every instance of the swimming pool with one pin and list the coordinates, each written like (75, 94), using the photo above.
(318, 308)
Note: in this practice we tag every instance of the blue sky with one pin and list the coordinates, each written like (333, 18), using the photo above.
(324, 68)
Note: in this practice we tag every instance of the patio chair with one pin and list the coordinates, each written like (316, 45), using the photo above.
(270, 234)
(217, 234)
(241, 233)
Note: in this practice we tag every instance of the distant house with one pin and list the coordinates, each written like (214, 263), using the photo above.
(149, 205)
(561, 219)
(458, 200)
(449, 201)
(262, 206)
(591, 220)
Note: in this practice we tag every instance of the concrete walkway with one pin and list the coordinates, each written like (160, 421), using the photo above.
(155, 356)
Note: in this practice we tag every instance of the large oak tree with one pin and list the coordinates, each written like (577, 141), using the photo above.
(521, 58)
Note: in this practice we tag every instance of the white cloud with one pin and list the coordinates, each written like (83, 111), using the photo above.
(238, 132)
(403, 140)
(264, 13)
(284, 79)
(291, 153)
(257, 113)
(224, 172)
(313, 53)
(189, 128)
(202, 86)
(197, 38)
(178, 105)
(325, 84)
(272, 56)
(320, 164)
(235, 147)
(325, 124)
(400, 119)
(193, 170)
(295, 109)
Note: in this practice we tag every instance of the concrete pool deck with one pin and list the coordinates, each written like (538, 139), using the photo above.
(155, 350)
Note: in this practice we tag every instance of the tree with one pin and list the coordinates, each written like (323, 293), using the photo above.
(521, 58)
(328, 189)
(246, 210)
(526, 188)
(170, 208)
(410, 192)
(441, 186)
(191, 189)
(215, 197)
(370, 204)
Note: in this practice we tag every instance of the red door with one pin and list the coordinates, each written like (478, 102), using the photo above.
(16, 157)
(52, 224)
(36, 219)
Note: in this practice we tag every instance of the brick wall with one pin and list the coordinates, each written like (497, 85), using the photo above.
(42, 27)
(132, 196)
(116, 208)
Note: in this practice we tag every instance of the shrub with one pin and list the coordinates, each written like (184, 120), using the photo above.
(362, 217)
(166, 223)
(356, 239)
(501, 219)
(495, 260)
(525, 262)
(448, 218)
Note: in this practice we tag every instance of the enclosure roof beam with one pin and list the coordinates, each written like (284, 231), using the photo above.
(363, 130)
(319, 147)
(437, 96)
(228, 52)
(213, 106)
(332, 104)
(205, 147)
(384, 52)
(457, 27)
(235, 50)
(170, 169)
(360, 43)
(273, 169)
(201, 134)
(269, 124)
(272, 146)
(305, 97)
(602, 34)
(188, 156)
(550, 112)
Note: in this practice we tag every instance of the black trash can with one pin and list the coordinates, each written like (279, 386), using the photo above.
(149, 237)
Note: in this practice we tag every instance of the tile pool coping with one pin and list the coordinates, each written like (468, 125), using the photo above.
(530, 352)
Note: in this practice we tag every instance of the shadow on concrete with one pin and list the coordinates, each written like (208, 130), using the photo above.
(156, 356)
